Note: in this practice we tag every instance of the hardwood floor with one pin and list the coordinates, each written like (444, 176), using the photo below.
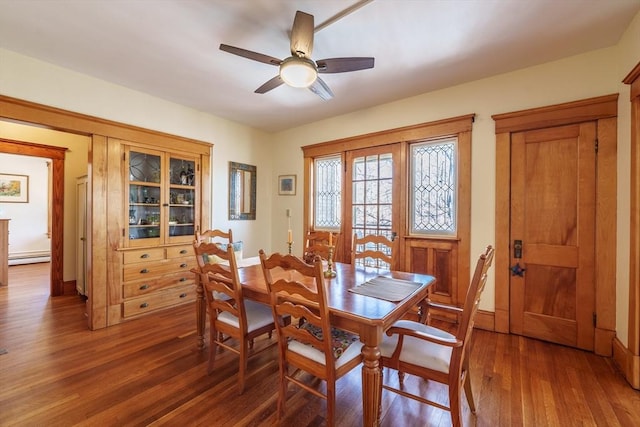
(147, 372)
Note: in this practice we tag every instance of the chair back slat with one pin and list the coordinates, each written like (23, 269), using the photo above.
(374, 250)
(215, 235)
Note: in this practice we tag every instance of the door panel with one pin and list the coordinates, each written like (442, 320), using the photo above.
(552, 212)
(372, 187)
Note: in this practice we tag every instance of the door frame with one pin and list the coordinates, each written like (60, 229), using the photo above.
(629, 358)
(56, 154)
(603, 110)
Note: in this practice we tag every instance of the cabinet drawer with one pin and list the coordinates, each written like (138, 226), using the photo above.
(143, 255)
(158, 300)
(180, 251)
(143, 287)
(143, 271)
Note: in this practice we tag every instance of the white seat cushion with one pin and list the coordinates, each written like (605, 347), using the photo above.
(258, 315)
(420, 352)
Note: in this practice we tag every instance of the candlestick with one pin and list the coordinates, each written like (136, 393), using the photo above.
(330, 272)
(289, 244)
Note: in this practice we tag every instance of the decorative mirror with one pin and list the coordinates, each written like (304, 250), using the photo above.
(242, 191)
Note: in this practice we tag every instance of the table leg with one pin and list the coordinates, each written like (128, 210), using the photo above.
(201, 314)
(371, 381)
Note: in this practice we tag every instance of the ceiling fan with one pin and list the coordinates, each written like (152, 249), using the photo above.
(299, 70)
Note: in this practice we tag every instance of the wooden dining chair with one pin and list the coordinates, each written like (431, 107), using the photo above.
(298, 290)
(230, 315)
(317, 243)
(433, 354)
(373, 250)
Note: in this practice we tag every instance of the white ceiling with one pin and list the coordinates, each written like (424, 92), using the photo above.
(169, 48)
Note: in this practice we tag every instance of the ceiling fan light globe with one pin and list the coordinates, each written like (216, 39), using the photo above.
(298, 72)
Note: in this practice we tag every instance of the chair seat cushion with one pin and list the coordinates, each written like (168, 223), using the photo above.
(345, 345)
(417, 351)
(258, 315)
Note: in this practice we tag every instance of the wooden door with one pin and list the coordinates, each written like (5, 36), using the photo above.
(553, 215)
(372, 193)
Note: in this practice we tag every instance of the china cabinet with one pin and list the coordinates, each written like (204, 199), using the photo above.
(161, 210)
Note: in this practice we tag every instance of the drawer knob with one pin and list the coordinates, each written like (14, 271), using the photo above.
(144, 271)
(183, 295)
(184, 251)
(144, 305)
(143, 287)
(183, 265)
(183, 279)
(144, 256)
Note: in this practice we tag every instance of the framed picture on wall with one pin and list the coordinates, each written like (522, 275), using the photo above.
(14, 188)
(287, 185)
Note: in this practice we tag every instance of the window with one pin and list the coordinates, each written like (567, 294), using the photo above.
(327, 198)
(433, 191)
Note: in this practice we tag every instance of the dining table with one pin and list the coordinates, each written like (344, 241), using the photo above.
(351, 308)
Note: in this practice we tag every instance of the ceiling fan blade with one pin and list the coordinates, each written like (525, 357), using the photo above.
(343, 65)
(320, 88)
(271, 84)
(251, 55)
(302, 35)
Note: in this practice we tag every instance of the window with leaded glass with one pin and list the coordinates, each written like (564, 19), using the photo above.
(433, 191)
(327, 197)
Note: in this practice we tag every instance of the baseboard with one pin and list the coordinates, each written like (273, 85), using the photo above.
(627, 362)
(603, 342)
(485, 320)
(29, 257)
(69, 288)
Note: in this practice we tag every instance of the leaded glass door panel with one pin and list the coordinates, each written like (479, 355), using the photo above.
(373, 196)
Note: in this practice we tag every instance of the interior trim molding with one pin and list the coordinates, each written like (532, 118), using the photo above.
(633, 337)
(57, 156)
(627, 362)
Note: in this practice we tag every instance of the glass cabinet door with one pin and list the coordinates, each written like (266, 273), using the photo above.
(145, 197)
(162, 189)
(182, 198)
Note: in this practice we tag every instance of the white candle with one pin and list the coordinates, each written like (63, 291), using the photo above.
(330, 239)
(289, 236)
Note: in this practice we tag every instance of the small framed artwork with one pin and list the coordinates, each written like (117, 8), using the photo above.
(14, 188)
(287, 185)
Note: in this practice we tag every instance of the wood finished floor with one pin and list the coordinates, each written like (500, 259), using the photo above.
(148, 373)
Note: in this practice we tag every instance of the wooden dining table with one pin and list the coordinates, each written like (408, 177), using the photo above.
(367, 316)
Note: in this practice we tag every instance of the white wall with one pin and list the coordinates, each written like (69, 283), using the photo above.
(28, 226)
